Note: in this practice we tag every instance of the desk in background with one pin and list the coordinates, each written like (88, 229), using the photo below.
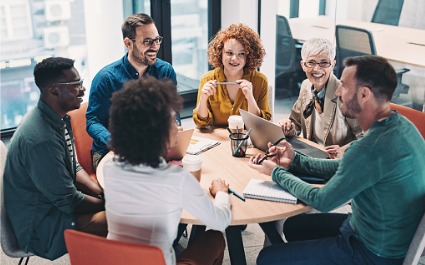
(218, 162)
(398, 44)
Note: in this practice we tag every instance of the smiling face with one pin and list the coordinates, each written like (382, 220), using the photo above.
(138, 51)
(233, 57)
(348, 93)
(317, 75)
(71, 95)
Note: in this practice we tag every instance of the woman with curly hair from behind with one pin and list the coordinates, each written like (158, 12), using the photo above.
(235, 53)
(146, 195)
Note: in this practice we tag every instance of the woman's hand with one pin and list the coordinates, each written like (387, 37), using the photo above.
(209, 89)
(246, 88)
(288, 127)
(218, 185)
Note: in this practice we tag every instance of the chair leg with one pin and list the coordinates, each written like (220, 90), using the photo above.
(22, 259)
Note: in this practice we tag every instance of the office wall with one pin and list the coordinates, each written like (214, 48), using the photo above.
(104, 38)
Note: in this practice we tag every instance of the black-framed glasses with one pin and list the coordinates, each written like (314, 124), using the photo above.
(312, 64)
(78, 84)
(149, 42)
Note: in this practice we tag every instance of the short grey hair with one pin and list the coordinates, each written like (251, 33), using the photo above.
(316, 46)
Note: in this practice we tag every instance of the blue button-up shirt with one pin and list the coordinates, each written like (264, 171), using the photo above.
(108, 80)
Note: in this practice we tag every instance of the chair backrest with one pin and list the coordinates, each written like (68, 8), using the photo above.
(417, 246)
(85, 249)
(9, 243)
(286, 51)
(352, 41)
(415, 116)
(388, 12)
(83, 140)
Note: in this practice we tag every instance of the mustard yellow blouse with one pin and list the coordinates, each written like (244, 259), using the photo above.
(219, 105)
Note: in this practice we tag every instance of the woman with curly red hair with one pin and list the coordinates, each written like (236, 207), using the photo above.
(235, 53)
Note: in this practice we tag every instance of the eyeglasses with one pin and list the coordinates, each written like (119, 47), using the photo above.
(78, 84)
(312, 64)
(149, 42)
(238, 55)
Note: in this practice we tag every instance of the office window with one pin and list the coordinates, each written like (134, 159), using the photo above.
(32, 30)
(189, 37)
(15, 20)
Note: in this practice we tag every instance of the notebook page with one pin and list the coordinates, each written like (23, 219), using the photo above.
(267, 190)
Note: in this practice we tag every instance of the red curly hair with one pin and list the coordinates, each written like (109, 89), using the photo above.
(249, 39)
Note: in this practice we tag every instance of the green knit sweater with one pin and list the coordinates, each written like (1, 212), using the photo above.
(383, 174)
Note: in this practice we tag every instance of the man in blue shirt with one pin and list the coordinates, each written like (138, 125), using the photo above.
(45, 189)
(142, 40)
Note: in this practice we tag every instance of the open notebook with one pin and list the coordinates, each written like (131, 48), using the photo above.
(198, 145)
(267, 190)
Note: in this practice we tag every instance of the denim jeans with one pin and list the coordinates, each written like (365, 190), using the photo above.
(344, 248)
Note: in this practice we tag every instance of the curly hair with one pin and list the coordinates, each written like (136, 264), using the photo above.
(50, 70)
(139, 120)
(249, 39)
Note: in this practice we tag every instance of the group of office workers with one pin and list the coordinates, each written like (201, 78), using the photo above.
(133, 107)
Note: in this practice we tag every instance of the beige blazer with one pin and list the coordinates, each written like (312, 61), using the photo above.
(331, 120)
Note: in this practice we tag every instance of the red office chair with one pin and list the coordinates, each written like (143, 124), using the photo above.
(415, 116)
(84, 248)
(83, 140)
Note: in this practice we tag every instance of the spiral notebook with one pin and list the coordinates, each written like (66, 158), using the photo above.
(267, 190)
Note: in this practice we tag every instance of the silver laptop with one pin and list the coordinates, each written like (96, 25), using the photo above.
(179, 149)
(264, 131)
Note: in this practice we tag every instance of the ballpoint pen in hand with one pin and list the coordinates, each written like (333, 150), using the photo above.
(267, 153)
(226, 83)
(236, 194)
(264, 158)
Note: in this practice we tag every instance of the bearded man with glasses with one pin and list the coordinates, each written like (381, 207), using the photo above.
(142, 40)
(316, 112)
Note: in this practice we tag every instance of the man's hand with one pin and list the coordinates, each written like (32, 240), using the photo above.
(280, 155)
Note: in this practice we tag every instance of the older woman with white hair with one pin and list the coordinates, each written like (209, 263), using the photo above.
(316, 112)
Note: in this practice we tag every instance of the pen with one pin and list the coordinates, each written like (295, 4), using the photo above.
(267, 153)
(237, 195)
(240, 144)
(227, 83)
(264, 158)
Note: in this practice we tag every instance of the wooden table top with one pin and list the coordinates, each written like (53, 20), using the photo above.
(218, 162)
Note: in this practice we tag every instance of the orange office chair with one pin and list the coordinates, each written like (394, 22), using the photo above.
(84, 248)
(415, 116)
(83, 140)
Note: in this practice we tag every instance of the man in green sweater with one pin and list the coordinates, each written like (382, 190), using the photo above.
(382, 174)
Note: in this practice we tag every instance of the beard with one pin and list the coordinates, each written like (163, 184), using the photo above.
(351, 108)
(142, 58)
